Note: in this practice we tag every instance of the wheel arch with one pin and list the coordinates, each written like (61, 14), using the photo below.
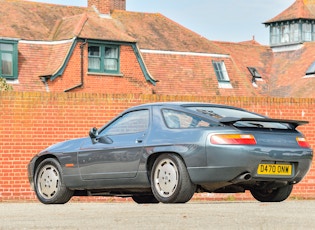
(41, 159)
(152, 158)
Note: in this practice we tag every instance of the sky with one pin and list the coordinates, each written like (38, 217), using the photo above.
(222, 20)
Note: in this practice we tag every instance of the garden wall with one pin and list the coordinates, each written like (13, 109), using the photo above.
(31, 121)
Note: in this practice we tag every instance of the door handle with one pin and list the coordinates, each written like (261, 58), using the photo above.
(139, 141)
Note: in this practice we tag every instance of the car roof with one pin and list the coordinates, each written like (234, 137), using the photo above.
(183, 104)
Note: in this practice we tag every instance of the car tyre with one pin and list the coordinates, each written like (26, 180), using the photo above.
(170, 180)
(145, 199)
(276, 195)
(49, 186)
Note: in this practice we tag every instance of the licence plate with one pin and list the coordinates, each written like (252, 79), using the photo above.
(274, 169)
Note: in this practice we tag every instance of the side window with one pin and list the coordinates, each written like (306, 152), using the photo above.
(181, 120)
(132, 122)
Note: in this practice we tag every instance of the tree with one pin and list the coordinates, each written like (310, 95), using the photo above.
(4, 86)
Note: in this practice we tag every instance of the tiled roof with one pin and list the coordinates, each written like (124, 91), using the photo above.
(288, 72)
(69, 27)
(156, 32)
(300, 9)
(108, 29)
(32, 21)
(179, 74)
(49, 22)
(43, 59)
(250, 54)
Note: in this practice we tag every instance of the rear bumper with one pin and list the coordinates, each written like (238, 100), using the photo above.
(227, 168)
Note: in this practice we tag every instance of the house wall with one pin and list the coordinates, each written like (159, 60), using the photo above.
(131, 79)
(31, 121)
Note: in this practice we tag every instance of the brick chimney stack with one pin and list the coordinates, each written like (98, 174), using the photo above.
(106, 6)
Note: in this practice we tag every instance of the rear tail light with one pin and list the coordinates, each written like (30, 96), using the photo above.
(233, 139)
(302, 142)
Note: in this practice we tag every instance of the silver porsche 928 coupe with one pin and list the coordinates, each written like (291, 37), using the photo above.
(166, 152)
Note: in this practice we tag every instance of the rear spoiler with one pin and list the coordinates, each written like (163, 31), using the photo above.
(293, 123)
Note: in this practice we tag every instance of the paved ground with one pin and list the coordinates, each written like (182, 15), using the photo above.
(202, 215)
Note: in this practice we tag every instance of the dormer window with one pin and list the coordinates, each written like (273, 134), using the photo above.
(104, 58)
(282, 33)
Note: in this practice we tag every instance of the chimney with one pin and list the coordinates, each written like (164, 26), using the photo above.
(106, 6)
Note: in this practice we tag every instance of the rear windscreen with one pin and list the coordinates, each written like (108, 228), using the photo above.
(219, 113)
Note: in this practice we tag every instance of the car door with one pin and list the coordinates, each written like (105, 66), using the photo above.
(121, 158)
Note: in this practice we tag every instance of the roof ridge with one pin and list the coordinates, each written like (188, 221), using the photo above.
(54, 29)
(80, 25)
(77, 29)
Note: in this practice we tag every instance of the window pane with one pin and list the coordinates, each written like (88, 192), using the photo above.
(6, 47)
(285, 34)
(224, 71)
(295, 32)
(111, 52)
(111, 59)
(215, 66)
(218, 112)
(181, 120)
(94, 57)
(94, 51)
(311, 69)
(254, 72)
(307, 32)
(7, 64)
(132, 122)
(274, 31)
(94, 63)
(220, 71)
(110, 64)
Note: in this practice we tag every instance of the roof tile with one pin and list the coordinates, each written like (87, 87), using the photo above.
(300, 9)
(32, 21)
(156, 32)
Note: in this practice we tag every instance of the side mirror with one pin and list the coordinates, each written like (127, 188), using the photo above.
(93, 133)
(96, 139)
(105, 140)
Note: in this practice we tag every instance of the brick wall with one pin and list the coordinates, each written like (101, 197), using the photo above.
(31, 121)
